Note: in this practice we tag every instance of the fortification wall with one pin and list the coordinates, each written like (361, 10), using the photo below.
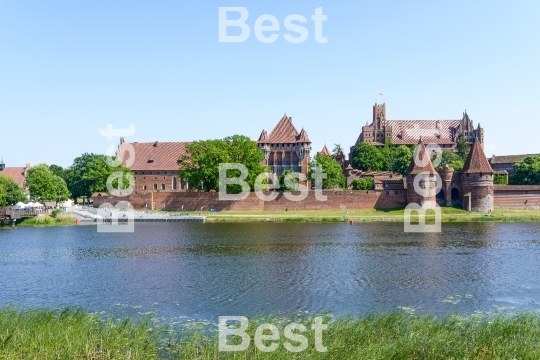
(517, 196)
(194, 201)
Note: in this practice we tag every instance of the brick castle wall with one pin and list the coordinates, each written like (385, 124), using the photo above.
(193, 201)
(519, 198)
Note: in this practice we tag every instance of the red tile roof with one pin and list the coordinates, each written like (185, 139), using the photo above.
(421, 161)
(476, 161)
(264, 137)
(17, 174)
(155, 155)
(325, 151)
(284, 133)
(408, 132)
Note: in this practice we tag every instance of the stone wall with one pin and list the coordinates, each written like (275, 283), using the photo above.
(194, 201)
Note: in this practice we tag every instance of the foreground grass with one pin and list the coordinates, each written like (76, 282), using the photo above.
(69, 334)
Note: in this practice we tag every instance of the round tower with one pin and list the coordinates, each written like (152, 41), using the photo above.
(477, 181)
(446, 173)
(421, 178)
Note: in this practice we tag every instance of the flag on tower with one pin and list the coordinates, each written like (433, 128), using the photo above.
(380, 94)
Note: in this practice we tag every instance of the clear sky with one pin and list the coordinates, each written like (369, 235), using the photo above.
(69, 68)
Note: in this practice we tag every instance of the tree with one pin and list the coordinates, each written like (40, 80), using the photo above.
(398, 159)
(283, 186)
(57, 170)
(451, 159)
(200, 164)
(367, 157)
(527, 172)
(10, 192)
(500, 179)
(462, 146)
(332, 169)
(337, 149)
(89, 173)
(43, 184)
(365, 183)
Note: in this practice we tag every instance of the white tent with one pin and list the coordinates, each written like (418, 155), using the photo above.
(67, 203)
(36, 205)
(19, 206)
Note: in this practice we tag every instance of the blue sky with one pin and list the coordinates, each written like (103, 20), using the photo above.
(69, 68)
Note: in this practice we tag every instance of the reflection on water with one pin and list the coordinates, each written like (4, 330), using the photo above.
(207, 270)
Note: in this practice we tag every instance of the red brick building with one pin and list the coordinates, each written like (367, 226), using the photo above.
(285, 148)
(155, 165)
(407, 132)
(18, 174)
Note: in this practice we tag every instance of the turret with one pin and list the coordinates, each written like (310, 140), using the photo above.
(2, 165)
(421, 178)
(477, 181)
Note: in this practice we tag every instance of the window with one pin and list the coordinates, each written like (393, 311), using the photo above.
(388, 193)
(144, 187)
(162, 186)
(174, 183)
(155, 186)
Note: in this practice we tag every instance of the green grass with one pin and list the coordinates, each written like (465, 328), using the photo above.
(75, 334)
(449, 214)
(54, 219)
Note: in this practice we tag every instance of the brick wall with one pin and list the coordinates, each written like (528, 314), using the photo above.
(519, 197)
(193, 201)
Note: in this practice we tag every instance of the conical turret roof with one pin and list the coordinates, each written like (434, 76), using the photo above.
(264, 137)
(477, 162)
(303, 136)
(325, 151)
(421, 162)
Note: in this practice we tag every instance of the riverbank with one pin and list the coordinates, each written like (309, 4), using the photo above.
(78, 334)
(47, 220)
(448, 214)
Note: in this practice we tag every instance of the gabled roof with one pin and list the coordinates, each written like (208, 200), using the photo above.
(156, 156)
(285, 133)
(17, 174)
(509, 159)
(421, 161)
(476, 161)
(408, 132)
(325, 151)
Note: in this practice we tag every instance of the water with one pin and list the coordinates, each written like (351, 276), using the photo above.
(206, 270)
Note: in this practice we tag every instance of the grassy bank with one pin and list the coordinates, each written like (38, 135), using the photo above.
(70, 334)
(52, 219)
(449, 214)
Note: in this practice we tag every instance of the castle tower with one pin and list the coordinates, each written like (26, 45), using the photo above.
(379, 115)
(446, 173)
(477, 181)
(421, 178)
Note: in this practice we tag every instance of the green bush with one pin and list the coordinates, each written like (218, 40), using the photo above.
(500, 179)
(365, 183)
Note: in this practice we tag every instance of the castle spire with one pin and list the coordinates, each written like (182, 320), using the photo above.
(421, 162)
(477, 162)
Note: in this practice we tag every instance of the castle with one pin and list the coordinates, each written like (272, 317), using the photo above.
(159, 185)
(472, 187)
(407, 132)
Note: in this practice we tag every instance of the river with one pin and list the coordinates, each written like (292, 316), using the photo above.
(203, 270)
